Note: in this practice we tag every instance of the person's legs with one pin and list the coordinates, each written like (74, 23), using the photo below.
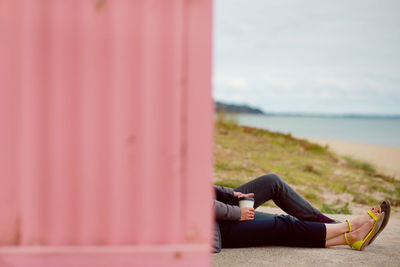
(279, 230)
(335, 232)
(271, 186)
(287, 231)
(263, 215)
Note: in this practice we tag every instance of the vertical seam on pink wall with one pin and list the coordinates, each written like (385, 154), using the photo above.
(184, 85)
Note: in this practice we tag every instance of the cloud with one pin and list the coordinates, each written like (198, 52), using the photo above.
(231, 82)
(277, 83)
(308, 55)
(330, 82)
(237, 83)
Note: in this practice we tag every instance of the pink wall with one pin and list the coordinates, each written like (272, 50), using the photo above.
(106, 132)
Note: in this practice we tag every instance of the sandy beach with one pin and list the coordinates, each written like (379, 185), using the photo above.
(385, 158)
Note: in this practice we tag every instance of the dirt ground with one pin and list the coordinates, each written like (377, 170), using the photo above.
(385, 251)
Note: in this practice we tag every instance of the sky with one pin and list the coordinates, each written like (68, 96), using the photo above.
(308, 56)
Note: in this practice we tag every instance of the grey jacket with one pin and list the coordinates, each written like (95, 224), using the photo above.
(226, 208)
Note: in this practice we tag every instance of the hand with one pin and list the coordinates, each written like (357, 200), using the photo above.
(247, 214)
(240, 194)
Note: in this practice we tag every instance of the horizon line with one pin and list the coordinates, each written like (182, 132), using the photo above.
(312, 114)
(341, 115)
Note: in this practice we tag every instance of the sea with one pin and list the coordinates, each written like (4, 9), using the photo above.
(365, 130)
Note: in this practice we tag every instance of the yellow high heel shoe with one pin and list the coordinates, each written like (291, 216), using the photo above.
(345, 234)
(361, 244)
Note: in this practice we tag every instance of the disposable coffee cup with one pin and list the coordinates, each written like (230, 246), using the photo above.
(246, 202)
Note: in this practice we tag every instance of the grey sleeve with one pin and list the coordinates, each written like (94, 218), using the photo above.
(225, 189)
(226, 212)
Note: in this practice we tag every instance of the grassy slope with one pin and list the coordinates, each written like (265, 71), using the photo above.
(327, 180)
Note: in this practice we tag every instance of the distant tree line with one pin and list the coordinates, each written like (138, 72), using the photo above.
(231, 108)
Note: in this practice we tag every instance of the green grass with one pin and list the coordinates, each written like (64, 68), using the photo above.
(332, 209)
(244, 153)
(357, 164)
(232, 183)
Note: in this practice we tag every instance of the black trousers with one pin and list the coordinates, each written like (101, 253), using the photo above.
(268, 229)
(278, 231)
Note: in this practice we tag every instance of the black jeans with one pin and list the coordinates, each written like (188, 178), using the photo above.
(272, 187)
(268, 229)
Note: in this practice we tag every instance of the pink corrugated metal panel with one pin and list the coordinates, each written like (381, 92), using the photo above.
(106, 256)
(9, 141)
(198, 104)
(106, 118)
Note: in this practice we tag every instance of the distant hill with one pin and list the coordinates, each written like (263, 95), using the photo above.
(230, 108)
